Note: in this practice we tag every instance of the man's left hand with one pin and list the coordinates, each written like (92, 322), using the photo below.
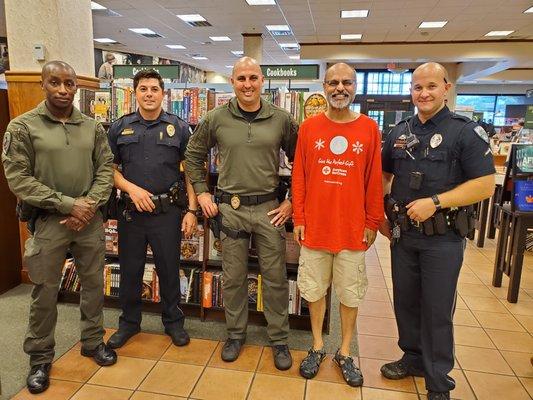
(73, 223)
(369, 237)
(281, 214)
(421, 209)
(188, 225)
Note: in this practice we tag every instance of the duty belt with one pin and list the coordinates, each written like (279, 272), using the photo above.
(162, 203)
(237, 200)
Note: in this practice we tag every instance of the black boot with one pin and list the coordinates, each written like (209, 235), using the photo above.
(39, 378)
(179, 336)
(120, 337)
(102, 355)
(231, 349)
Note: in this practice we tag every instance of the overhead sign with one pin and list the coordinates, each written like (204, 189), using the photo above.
(285, 72)
(129, 71)
(528, 123)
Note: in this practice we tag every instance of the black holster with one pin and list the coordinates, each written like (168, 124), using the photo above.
(27, 213)
(217, 226)
(464, 221)
(178, 194)
(110, 208)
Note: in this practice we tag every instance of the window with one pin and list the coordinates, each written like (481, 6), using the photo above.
(492, 106)
(501, 103)
(388, 83)
(378, 117)
(360, 83)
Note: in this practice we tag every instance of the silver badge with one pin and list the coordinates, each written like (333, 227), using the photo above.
(436, 140)
(482, 134)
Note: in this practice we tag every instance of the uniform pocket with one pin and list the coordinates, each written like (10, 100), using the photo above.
(33, 259)
(435, 165)
(168, 149)
(124, 144)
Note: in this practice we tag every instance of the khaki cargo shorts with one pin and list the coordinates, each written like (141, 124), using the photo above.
(318, 269)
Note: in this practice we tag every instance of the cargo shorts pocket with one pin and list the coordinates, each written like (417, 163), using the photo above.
(33, 259)
(307, 285)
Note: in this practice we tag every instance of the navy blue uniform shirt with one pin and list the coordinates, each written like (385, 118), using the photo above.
(149, 151)
(452, 150)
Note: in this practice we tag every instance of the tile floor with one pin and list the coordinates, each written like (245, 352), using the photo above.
(493, 348)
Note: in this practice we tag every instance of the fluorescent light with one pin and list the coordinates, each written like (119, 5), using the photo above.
(142, 31)
(96, 6)
(278, 27)
(237, 53)
(294, 57)
(354, 13)
(352, 36)
(289, 46)
(261, 2)
(529, 10)
(220, 38)
(105, 40)
(175, 46)
(432, 24)
(499, 33)
(200, 58)
(229, 66)
(191, 17)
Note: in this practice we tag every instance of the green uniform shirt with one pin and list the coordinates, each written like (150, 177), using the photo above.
(49, 163)
(248, 151)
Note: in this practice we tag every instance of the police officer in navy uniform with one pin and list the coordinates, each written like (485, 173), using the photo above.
(438, 162)
(149, 145)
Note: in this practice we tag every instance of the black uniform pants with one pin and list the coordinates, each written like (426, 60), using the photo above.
(424, 275)
(163, 233)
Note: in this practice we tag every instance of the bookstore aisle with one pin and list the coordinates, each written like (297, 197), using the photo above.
(493, 350)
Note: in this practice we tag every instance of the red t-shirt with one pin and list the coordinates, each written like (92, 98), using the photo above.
(336, 182)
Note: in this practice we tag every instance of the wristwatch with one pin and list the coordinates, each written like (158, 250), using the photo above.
(436, 201)
(193, 212)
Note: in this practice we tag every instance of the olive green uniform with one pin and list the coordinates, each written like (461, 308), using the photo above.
(48, 164)
(249, 161)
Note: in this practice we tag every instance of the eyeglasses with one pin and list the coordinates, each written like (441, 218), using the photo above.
(335, 83)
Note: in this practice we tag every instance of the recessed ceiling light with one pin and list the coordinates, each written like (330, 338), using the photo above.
(289, 46)
(105, 40)
(354, 13)
(191, 17)
(220, 38)
(352, 36)
(200, 57)
(96, 6)
(142, 31)
(238, 53)
(529, 10)
(499, 33)
(294, 57)
(261, 2)
(432, 24)
(229, 66)
(175, 46)
(278, 27)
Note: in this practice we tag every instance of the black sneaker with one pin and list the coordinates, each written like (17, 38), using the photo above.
(311, 363)
(438, 395)
(351, 374)
(38, 378)
(231, 349)
(399, 370)
(282, 357)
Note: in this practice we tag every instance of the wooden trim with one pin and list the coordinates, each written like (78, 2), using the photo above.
(35, 77)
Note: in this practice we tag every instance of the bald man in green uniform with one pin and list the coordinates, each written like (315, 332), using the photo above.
(58, 162)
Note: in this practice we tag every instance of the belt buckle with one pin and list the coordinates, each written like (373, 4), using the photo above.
(415, 223)
(235, 201)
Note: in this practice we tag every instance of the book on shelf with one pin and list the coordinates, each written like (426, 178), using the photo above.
(193, 249)
(215, 247)
(102, 105)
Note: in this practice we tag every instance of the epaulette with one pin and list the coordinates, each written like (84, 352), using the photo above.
(461, 117)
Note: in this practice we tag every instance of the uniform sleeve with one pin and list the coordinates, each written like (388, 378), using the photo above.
(298, 180)
(112, 136)
(18, 160)
(103, 168)
(196, 155)
(289, 139)
(386, 154)
(373, 187)
(476, 155)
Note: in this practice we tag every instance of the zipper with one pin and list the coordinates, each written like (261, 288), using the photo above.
(249, 132)
(66, 133)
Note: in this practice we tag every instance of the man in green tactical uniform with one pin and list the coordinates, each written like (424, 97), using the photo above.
(58, 162)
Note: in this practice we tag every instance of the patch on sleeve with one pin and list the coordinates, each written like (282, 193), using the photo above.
(6, 143)
(482, 134)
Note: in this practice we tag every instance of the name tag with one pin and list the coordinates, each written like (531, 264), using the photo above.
(127, 131)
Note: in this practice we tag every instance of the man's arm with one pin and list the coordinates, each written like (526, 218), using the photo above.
(103, 168)
(189, 223)
(373, 186)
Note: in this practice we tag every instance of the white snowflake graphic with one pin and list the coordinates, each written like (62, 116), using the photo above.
(357, 147)
(319, 144)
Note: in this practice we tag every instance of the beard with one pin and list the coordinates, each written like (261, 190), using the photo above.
(340, 103)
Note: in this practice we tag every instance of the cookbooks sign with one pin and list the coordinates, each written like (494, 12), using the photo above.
(285, 72)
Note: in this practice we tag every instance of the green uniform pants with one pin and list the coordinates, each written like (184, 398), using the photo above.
(44, 256)
(270, 245)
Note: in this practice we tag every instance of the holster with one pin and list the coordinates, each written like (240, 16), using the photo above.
(27, 213)
(217, 226)
(178, 194)
(464, 221)
(110, 208)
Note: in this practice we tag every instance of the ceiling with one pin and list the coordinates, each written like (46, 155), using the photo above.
(312, 22)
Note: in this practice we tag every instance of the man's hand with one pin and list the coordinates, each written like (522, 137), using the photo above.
(369, 237)
(83, 209)
(384, 229)
(209, 208)
(421, 209)
(188, 225)
(299, 233)
(73, 223)
(281, 214)
(141, 198)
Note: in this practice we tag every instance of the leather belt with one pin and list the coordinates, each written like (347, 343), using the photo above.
(237, 200)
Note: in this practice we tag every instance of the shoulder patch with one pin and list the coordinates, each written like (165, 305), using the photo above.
(482, 134)
(6, 143)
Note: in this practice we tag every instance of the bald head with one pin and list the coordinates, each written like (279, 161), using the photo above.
(339, 68)
(429, 88)
(434, 69)
(247, 63)
(247, 80)
(52, 66)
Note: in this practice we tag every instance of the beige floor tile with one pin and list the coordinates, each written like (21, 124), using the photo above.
(127, 373)
(376, 282)
(146, 345)
(512, 341)
(377, 294)
(382, 348)
(519, 362)
(266, 363)
(222, 384)
(154, 396)
(376, 309)
(373, 378)
(523, 307)
(462, 390)
(471, 336)
(472, 289)
(526, 321)
(498, 321)
(329, 371)
(484, 304)
(374, 270)
(198, 352)
(379, 394)
(268, 387)
(465, 318)
(460, 304)
(318, 390)
(172, 378)
(92, 392)
(528, 384)
(387, 272)
(108, 333)
(482, 360)
(72, 366)
(492, 387)
(468, 277)
(247, 361)
(58, 390)
(377, 326)
(501, 292)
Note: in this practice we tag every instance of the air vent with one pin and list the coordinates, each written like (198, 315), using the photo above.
(197, 24)
(151, 35)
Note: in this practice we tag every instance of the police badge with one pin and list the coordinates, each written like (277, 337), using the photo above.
(171, 130)
(235, 201)
(436, 140)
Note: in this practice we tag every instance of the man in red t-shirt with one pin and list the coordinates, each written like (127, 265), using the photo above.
(338, 205)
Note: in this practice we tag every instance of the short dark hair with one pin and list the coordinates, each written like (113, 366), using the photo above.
(147, 74)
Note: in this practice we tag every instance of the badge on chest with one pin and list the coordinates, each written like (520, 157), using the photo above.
(171, 130)
(127, 132)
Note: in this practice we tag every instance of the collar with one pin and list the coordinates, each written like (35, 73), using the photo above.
(266, 110)
(163, 117)
(435, 120)
(76, 117)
